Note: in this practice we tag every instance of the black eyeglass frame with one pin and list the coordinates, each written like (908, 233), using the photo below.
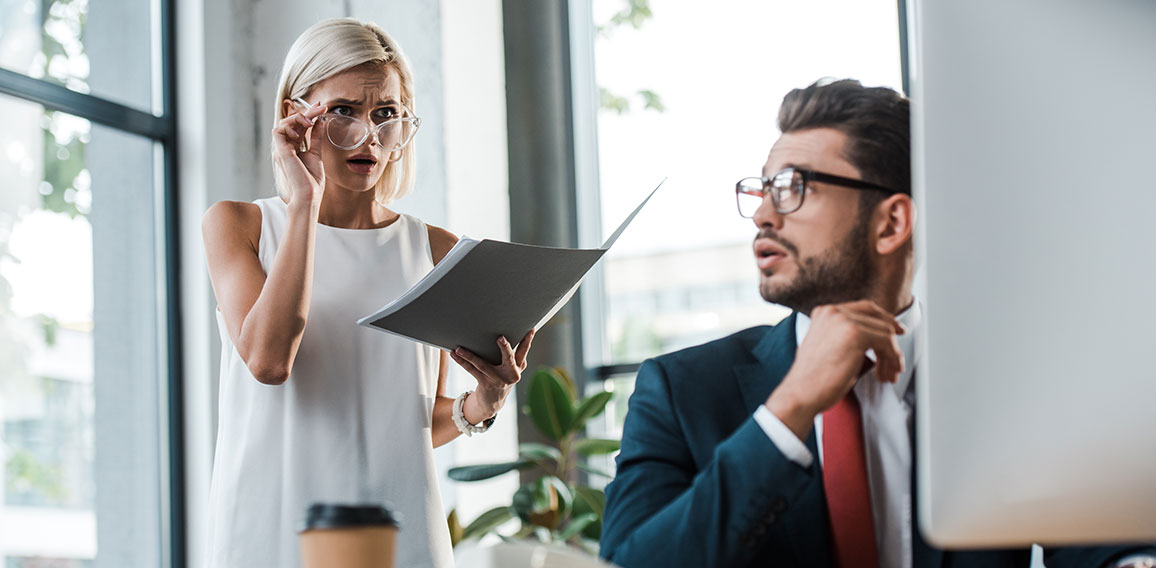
(808, 176)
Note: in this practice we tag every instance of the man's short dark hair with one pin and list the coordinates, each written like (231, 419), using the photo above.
(876, 120)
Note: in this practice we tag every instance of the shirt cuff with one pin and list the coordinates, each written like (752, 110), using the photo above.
(783, 438)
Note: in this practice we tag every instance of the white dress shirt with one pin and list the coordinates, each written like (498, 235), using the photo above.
(887, 422)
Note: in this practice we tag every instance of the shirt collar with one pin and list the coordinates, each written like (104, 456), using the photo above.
(911, 319)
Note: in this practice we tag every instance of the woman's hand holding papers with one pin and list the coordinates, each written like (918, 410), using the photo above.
(494, 381)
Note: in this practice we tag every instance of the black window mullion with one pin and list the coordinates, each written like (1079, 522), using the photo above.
(161, 129)
(175, 400)
(89, 107)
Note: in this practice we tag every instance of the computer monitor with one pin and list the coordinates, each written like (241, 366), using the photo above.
(1034, 137)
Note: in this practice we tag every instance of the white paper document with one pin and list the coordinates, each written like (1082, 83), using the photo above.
(485, 289)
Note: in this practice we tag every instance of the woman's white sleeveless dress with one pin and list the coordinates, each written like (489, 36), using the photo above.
(352, 424)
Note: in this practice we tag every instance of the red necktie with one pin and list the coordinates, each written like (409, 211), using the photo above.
(845, 483)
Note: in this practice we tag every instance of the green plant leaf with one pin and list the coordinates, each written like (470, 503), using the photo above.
(537, 452)
(565, 494)
(589, 408)
(455, 527)
(594, 471)
(486, 471)
(611, 102)
(487, 522)
(592, 501)
(634, 14)
(651, 100)
(545, 508)
(567, 381)
(577, 525)
(594, 498)
(523, 502)
(551, 407)
(596, 446)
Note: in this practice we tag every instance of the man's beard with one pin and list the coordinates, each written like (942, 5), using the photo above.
(842, 273)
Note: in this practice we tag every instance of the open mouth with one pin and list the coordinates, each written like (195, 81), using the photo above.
(362, 164)
(767, 254)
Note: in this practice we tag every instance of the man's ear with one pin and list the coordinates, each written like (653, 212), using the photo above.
(892, 223)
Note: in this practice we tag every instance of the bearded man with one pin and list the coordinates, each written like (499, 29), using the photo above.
(792, 445)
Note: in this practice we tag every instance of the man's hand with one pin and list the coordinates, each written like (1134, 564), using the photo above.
(831, 359)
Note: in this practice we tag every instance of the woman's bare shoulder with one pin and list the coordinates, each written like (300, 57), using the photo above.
(229, 220)
(440, 242)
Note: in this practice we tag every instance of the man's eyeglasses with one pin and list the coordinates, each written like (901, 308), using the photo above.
(347, 132)
(788, 188)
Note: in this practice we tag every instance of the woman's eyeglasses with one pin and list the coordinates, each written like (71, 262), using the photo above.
(348, 133)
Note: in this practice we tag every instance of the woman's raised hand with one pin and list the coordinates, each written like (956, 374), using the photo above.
(297, 155)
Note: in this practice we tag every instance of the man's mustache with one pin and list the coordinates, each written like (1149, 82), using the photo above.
(770, 235)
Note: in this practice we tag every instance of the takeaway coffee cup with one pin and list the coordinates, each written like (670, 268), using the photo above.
(348, 536)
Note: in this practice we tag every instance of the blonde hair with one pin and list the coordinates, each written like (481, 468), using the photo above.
(330, 47)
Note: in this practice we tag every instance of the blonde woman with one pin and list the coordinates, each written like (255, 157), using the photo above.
(313, 407)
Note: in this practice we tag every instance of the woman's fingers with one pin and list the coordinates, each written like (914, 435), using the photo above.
(508, 372)
(507, 351)
(460, 355)
(285, 130)
(303, 121)
(296, 126)
(523, 350)
(478, 367)
(315, 111)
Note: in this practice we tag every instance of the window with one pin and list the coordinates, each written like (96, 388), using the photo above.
(88, 332)
(691, 93)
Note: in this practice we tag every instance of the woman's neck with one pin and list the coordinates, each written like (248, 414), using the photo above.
(353, 210)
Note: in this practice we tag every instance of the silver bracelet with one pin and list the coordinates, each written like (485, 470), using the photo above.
(1136, 561)
(464, 425)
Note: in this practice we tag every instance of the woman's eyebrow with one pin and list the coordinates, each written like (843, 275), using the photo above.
(347, 102)
(360, 102)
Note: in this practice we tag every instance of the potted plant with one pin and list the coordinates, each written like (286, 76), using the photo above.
(553, 507)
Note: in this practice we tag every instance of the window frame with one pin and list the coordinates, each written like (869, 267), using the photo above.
(161, 130)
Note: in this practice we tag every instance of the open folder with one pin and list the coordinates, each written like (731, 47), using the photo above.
(485, 289)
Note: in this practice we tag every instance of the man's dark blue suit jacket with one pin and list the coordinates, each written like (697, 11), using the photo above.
(699, 483)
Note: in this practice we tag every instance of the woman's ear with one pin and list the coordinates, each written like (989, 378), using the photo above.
(894, 221)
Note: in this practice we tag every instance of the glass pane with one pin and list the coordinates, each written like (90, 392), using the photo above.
(78, 344)
(704, 115)
(609, 423)
(105, 51)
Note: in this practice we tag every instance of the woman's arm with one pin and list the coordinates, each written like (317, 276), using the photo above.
(495, 383)
(265, 314)
(444, 429)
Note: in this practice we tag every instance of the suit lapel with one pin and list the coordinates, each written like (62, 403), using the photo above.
(774, 355)
(807, 525)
